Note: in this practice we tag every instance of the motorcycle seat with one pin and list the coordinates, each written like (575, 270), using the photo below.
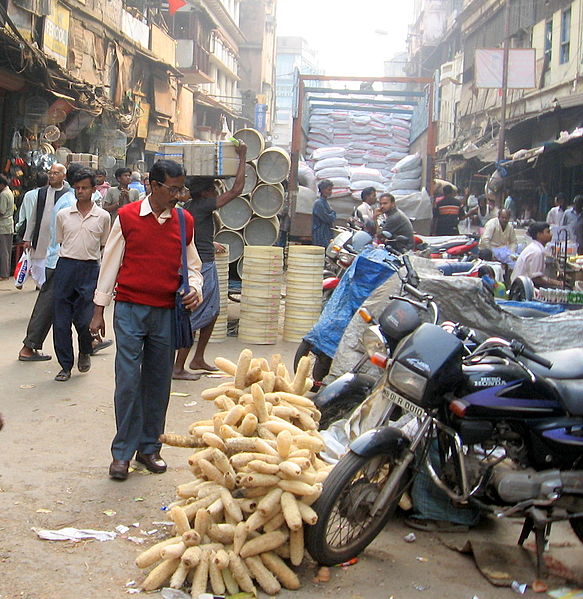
(567, 364)
(571, 394)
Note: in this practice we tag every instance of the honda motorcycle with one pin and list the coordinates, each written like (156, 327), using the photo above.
(506, 424)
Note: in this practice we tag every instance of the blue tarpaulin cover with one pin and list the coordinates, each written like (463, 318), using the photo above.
(365, 274)
(542, 306)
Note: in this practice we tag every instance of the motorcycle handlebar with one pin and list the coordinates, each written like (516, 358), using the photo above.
(519, 349)
(412, 277)
(415, 292)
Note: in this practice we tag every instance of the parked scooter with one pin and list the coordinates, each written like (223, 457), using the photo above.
(461, 247)
(507, 424)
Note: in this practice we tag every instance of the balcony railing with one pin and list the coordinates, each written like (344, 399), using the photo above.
(193, 60)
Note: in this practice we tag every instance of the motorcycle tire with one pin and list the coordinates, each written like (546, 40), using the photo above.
(321, 366)
(345, 501)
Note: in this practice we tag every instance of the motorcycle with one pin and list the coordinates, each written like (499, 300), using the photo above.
(402, 315)
(447, 246)
(309, 345)
(505, 423)
(339, 255)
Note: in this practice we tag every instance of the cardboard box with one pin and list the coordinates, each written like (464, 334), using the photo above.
(217, 159)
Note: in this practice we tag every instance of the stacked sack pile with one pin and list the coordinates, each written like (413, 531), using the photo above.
(372, 139)
(362, 177)
(407, 176)
(256, 473)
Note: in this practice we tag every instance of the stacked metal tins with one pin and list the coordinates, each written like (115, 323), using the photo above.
(252, 218)
(261, 294)
(222, 263)
(303, 299)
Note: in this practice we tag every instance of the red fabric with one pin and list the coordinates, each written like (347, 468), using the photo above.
(149, 273)
(174, 5)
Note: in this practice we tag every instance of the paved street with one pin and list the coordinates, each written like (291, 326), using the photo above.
(53, 474)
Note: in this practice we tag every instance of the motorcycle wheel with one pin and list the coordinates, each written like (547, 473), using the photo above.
(577, 526)
(345, 526)
(321, 365)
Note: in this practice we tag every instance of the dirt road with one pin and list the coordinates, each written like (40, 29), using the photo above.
(53, 474)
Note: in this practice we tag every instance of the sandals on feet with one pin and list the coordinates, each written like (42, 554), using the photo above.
(64, 375)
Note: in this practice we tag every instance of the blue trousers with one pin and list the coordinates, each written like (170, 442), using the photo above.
(144, 339)
(73, 288)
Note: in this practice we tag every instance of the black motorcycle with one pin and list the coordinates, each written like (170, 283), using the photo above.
(402, 315)
(507, 426)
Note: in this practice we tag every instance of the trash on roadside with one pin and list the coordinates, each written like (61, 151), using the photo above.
(133, 591)
(168, 593)
(410, 538)
(165, 508)
(139, 499)
(74, 534)
(110, 513)
(27, 386)
(519, 588)
(122, 529)
(131, 583)
(323, 575)
(137, 540)
(151, 532)
(179, 394)
(539, 586)
(137, 524)
(163, 523)
(43, 510)
(421, 559)
(420, 587)
(190, 404)
(350, 562)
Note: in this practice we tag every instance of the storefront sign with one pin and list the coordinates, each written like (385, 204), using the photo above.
(260, 117)
(56, 34)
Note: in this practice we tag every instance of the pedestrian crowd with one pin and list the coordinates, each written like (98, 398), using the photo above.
(91, 244)
(454, 214)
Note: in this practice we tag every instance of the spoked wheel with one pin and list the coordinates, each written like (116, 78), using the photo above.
(345, 524)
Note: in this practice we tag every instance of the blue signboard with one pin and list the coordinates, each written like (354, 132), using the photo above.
(260, 117)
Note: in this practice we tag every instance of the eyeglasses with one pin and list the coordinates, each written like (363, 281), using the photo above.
(175, 191)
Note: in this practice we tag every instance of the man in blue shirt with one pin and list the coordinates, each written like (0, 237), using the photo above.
(323, 216)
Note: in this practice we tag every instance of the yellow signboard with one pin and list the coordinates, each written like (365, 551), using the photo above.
(56, 33)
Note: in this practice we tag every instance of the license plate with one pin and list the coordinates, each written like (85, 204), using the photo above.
(404, 403)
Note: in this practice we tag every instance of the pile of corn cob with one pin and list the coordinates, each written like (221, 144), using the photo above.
(256, 474)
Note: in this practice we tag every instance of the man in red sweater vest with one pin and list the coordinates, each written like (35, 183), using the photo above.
(140, 267)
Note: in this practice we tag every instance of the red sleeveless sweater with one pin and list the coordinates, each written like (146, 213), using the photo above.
(149, 272)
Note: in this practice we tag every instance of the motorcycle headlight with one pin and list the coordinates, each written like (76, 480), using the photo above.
(409, 383)
(373, 341)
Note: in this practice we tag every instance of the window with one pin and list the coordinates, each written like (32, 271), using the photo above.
(565, 36)
(548, 43)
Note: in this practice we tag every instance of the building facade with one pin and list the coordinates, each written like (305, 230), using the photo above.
(293, 54)
(469, 117)
(115, 78)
